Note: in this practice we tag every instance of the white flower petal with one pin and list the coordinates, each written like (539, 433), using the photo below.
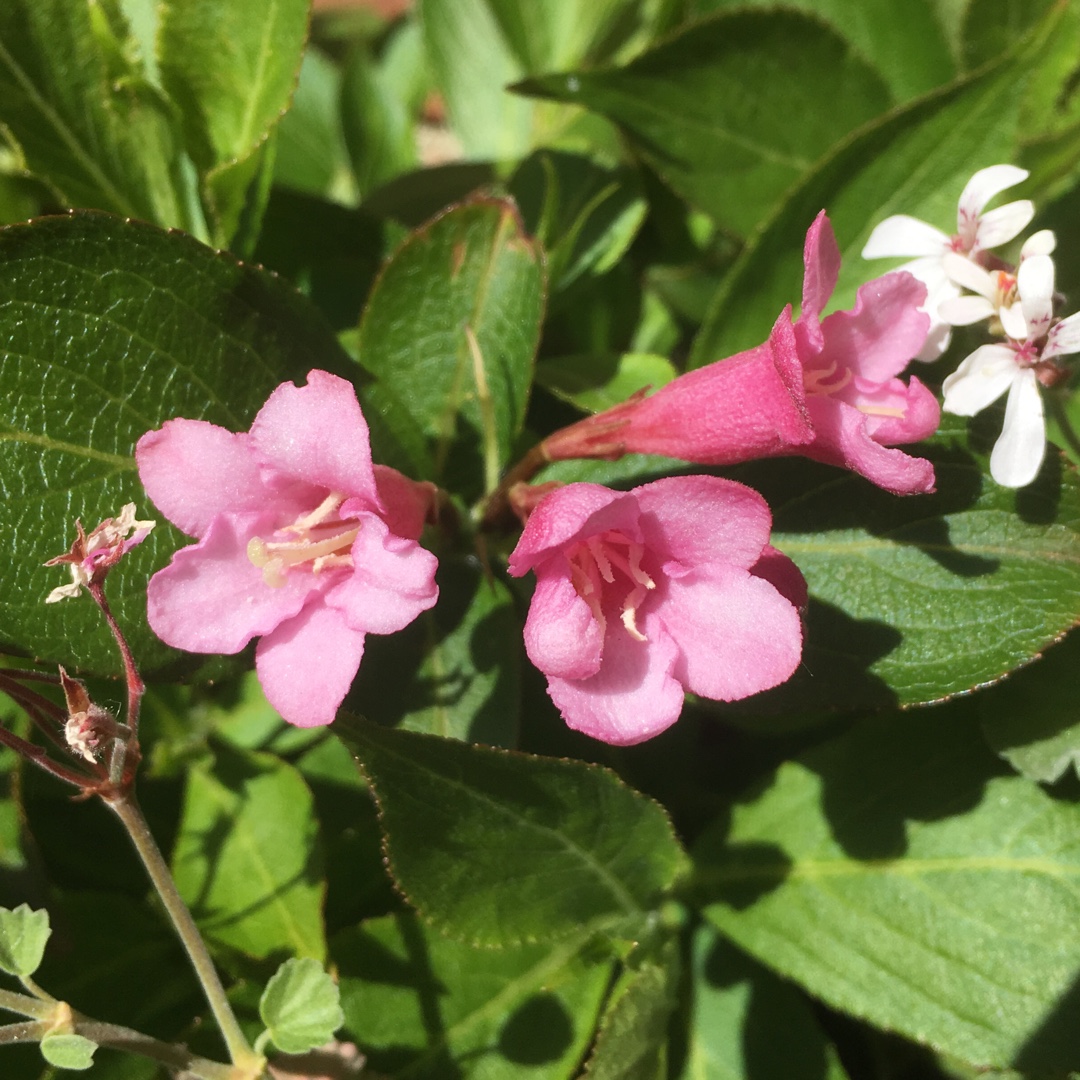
(965, 310)
(1042, 242)
(1064, 338)
(1019, 451)
(902, 236)
(1035, 284)
(980, 380)
(984, 185)
(964, 272)
(1000, 225)
(1013, 322)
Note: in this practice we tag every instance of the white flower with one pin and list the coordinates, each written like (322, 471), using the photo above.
(976, 232)
(1016, 366)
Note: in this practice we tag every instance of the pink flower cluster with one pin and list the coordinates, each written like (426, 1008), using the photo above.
(640, 596)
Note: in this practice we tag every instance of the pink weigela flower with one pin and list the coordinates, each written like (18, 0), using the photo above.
(824, 388)
(302, 542)
(641, 595)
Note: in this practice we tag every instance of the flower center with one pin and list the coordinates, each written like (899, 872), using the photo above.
(593, 564)
(817, 382)
(317, 541)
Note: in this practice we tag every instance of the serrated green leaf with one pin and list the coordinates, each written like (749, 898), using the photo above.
(1031, 720)
(83, 116)
(471, 271)
(424, 1007)
(301, 1006)
(499, 848)
(595, 382)
(107, 329)
(895, 874)
(721, 111)
(631, 1043)
(916, 599)
(247, 858)
(738, 1007)
(906, 42)
(23, 934)
(68, 1051)
(456, 667)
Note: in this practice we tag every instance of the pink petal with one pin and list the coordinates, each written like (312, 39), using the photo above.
(570, 513)
(307, 665)
(317, 433)
(408, 503)
(880, 335)
(736, 634)
(921, 413)
(901, 236)
(843, 440)
(821, 259)
(562, 636)
(193, 471)
(747, 406)
(632, 697)
(211, 599)
(783, 575)
(392, 580)
(704, 519)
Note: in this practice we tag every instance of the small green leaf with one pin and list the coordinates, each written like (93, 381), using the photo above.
(895, 874)
(469, 278)
(500, 848)
(301, 1006)
(247, 857)
(733, 110)
(517, 1011)
(68, 1051)
(23, 934)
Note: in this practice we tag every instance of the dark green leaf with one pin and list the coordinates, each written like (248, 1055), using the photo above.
(247, 859)
(455, 668)
(451, 328)
(83, 116)
(916, 599)
(1031, 720)
(500, 848)
(23, 934)
(631, 1043)
(301, 1006)
(734, 110)
(424, 1007)
(107, 329)
(992, 26)
(596, 382)
(906, 43)
(895, 874)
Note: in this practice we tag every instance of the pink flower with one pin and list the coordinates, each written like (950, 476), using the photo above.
(641, 595)
(823, 388)
(302, 542)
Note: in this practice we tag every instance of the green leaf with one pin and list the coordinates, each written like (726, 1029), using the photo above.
(82, 115)
(598, 381)
(738, 1007)
(1030, 719)
(501, 848)
(68, 1051)
(247, 859)
(733, 110)
(913, 161)
(631, 1043)
(23, 934)
(424, 1007)
(992, 26)
(916, 599)
(895, 874)
(456, 667)
(107, 329)
(301, 1006)
(471, 271)
(906, 42)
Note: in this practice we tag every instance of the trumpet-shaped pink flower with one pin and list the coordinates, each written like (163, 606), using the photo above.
(641, 595)
(825, 388)
(302, 542)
